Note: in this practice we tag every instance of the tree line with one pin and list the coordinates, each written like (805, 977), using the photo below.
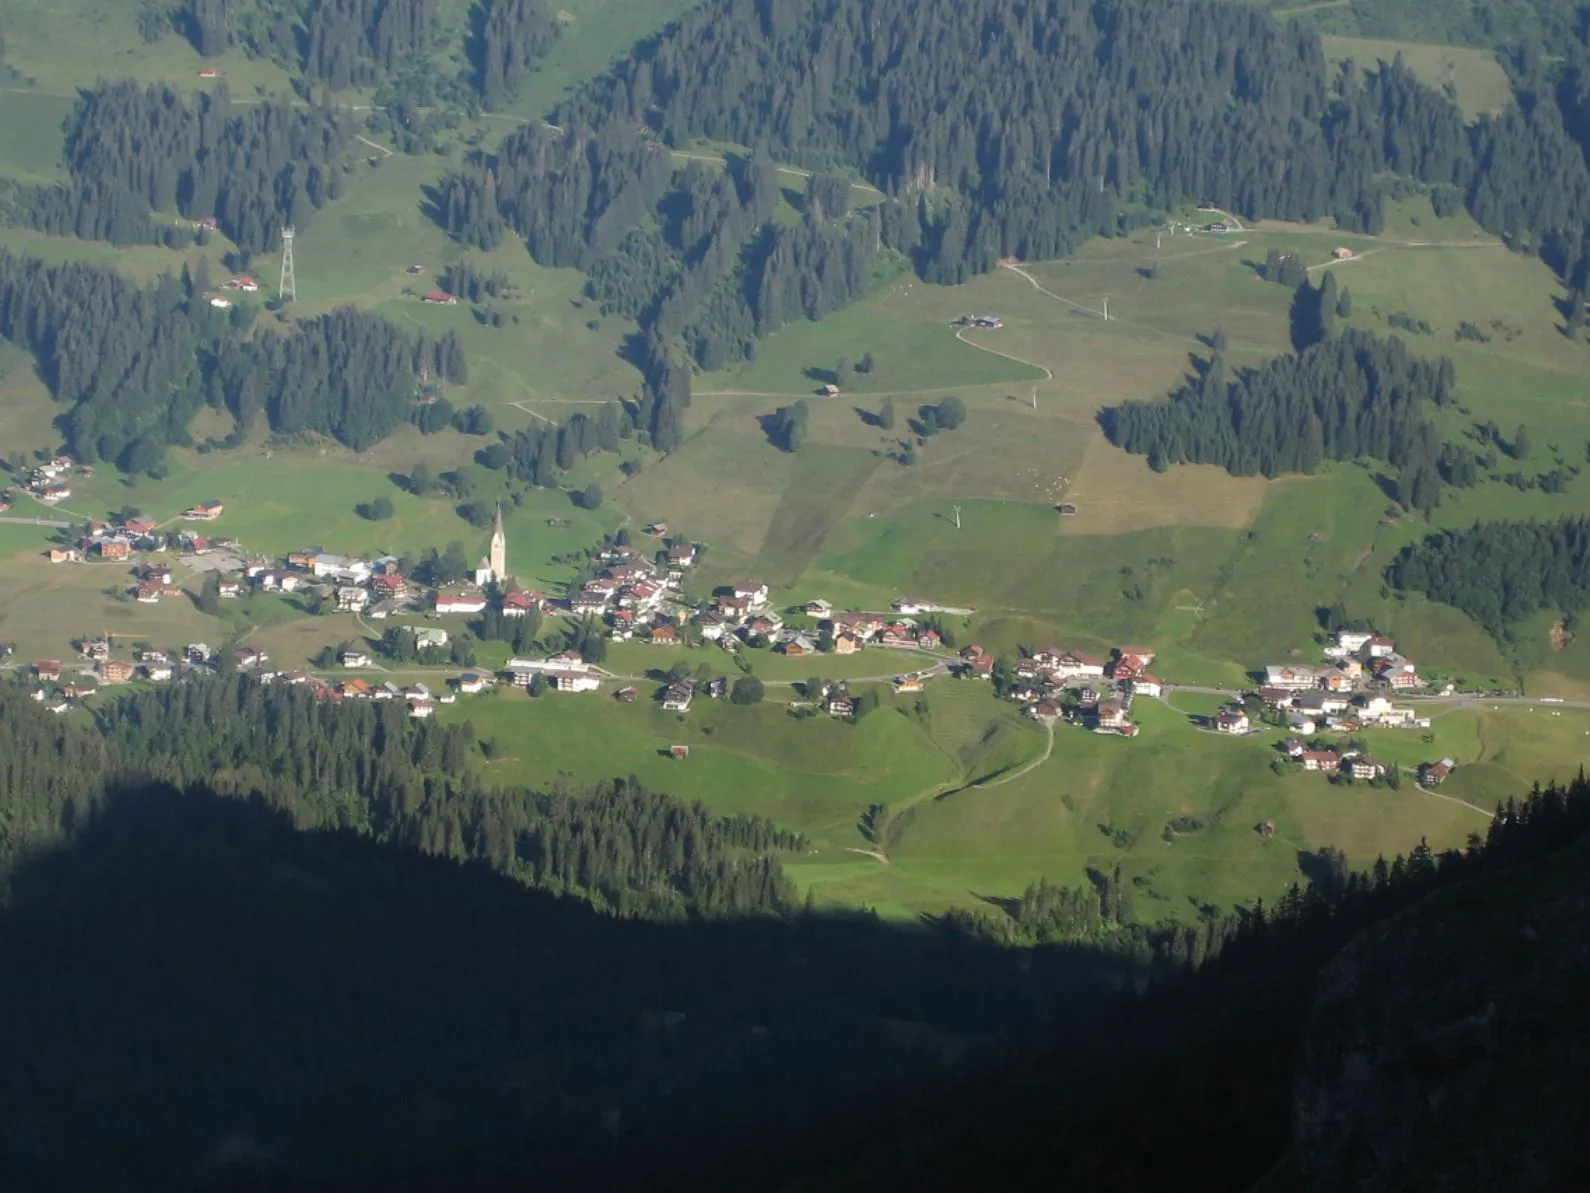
(1500, 572)
(1344, 397)
(136, 152)
(132, 364)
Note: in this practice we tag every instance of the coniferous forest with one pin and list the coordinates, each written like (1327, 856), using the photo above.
(1342, 398)
(1499, 572)
(131, 365)
(373, 972)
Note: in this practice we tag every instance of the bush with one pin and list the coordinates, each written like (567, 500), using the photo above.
(378, 510)
(747, 690)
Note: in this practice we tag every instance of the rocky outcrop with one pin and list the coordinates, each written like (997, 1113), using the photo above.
(1448, 1049)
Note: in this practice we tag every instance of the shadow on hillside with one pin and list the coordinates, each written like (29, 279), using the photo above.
(212, 999)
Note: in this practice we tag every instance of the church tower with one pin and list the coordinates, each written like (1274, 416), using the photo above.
(497, 559)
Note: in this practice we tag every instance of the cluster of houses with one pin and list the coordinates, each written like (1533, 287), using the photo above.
(1349, 690)
(51, 482)
(1355, 764)
(1086, 689)
(242, 285)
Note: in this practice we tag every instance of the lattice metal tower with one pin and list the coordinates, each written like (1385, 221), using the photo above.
(288, 290)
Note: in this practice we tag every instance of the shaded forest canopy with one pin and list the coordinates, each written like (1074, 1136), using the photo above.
(132, 364)
(401, 976)
(1499, 572)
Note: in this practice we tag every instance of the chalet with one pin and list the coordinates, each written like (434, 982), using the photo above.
(677, 697)
(682, 556)
(1292, 679)
(115, 671)
(840, 705)
(420, 709)
(157, 672)
(564, 660)
(250, 656)
(229, 589)
(209, 72)
(471, 683)
(1362, 766)
(862, 625)
(354, 689)
(353, 600)
(799, 646)
(74, 690)
(1322, 760)
(971, 652)
(1375, 706)
(627, 695)
(198, 653)
(1111, 714)
(679, 752)
(588, 602)
(427, 637)
(303, 560)
(1141, 655)
(1231, 720)
(63, 555)
(656, 530)
(982, 666)
(197, 544)
(1025, 693)
(390, 585)
(278, 581)
(1072, 664)
(387, 691)
(1320, 703)
(47, 669)
(149, 593)
(1146, 685)
(907, 683)
(209, 223)
(664, 635)
(1045, 710)
(712, 626)
(140, 526)
(1342, 253)
(897, 636)
(764, 625)
(569, 681)
(828, 390)
(244, 283)
(929, 640)
(220, 303)
(818, 608)
(1293, 748)
(153, 656)
(519, 603)
(1353, 641)
(114, 550)
(1380, 647)
(1397, 672)
(846, 643)
(717, 688)
(461, 600)
(1433, 774)
(910, 608)
(1302, 724)
(342, 568)
(441, 298)
(754, 591)
(354, 658)
(205, 511)
(55, 493)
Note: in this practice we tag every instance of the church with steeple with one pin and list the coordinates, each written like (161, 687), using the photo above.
(493, 569)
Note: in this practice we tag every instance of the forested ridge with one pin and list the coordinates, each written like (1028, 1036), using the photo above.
(1499, 572)
(132, 364)
(135, 153)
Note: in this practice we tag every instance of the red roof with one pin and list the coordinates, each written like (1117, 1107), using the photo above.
(439, 296)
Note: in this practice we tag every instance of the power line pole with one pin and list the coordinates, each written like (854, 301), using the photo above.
(957, 510)
(1035, 397)
(287, 291)
(1106, 308)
